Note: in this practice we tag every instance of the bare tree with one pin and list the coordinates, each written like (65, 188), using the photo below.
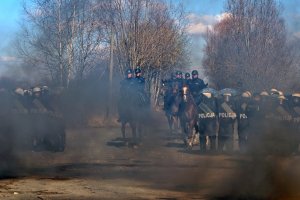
(61, 37)
(248, 48)
(149, 34)
(66, 37)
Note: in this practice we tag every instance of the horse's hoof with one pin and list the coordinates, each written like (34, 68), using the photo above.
(189, 147)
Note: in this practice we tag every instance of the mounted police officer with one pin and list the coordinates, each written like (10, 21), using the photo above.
(208, 119)
(139, 80)
(187, 78)
(167, 91)
(127, 85)
(196, 85)
(128, 82)
(179, 82)
(227, 118)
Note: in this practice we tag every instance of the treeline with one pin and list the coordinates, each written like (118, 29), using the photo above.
(250, 49)
(69, 41)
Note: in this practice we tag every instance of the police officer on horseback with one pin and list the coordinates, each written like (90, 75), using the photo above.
(196, 85)
(128, 82)
(139, 80)
(179, 79)
(187, 78)
(127, 85)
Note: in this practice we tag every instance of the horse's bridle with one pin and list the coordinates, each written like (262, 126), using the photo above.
(185, 90)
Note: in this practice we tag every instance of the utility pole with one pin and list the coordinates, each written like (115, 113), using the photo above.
(110, 70)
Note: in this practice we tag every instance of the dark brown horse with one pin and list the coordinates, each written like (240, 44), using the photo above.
(172, 101)
(188, 116)
(133, 109)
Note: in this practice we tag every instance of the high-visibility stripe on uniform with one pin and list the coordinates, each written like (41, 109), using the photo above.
(297, 110)
(227, 108)
(205, 108)
(282, 111)
(19, 106)
(244, 106)
(39, 105)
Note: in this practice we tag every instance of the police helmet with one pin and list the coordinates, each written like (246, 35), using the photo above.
(195, 72)
(264, 93)
(36, 89)
(28, 92)
(178, 73)
(45, 87)
(296, 94)
(19, 91)
(187, 75)
(227, 94)
(207, 94)
(138, 70)
(280, 93)
(246, 94)
(273, 91)
(213, 92)
(282, 97)
(129, 71)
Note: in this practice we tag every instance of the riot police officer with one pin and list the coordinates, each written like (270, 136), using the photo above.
(208, 119)
(227, 118)
(294, 105)
(196, 85)
(243, 120)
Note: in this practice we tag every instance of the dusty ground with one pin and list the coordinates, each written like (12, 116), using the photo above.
(96, 166)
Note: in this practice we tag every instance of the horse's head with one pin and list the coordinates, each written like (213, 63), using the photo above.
(185, 93)
(175, 88)
(165, 87)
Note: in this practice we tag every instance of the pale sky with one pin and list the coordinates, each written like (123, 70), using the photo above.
(202, 14)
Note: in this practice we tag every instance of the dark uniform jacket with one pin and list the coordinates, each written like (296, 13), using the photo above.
(208, 116)
(243, 113)
(227, 116)
(196, 85)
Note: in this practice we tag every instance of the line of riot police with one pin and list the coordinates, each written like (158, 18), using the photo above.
(31, 120)
(254, 117)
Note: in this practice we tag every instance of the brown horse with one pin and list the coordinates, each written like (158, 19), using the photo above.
(172, 100)
(133, 110)
(188, 116)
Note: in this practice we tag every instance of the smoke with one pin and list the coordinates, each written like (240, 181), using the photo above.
(267, 171)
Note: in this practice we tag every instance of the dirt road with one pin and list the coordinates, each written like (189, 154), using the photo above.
(95, 165)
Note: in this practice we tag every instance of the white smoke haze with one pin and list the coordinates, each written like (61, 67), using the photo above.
(199, 24)
(7, 58)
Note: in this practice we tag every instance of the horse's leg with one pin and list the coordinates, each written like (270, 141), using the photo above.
(190, 134)
(170, 122)
(184, 132)
(176, 123)
(123, 127)
(133, 126)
